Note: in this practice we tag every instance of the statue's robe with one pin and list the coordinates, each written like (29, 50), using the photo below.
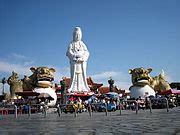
(78, 55)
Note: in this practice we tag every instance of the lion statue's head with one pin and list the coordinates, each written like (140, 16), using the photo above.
(140, 76)
(42, 76)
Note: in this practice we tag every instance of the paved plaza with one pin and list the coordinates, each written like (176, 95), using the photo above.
(158, 122)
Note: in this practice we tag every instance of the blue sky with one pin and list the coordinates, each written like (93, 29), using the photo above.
(120, 35)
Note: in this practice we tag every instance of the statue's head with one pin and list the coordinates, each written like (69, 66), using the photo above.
(77, 34)
(140, 76)
(43, 75)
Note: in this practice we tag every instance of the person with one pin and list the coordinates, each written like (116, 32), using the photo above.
(78, 55)
(79, 103)
(71, 98)
(79, 100)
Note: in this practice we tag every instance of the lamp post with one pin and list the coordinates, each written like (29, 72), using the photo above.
(111, 83)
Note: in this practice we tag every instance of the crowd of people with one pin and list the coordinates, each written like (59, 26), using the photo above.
(120, 103)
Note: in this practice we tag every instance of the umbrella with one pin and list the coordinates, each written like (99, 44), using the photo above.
(112, 95)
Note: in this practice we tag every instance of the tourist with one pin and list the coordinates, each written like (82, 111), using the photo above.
(79, 100)
(71, 98)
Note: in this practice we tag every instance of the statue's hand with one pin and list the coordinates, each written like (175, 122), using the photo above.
(78, 56)
(79, 60)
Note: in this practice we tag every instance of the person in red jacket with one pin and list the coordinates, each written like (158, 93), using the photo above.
(71, 98)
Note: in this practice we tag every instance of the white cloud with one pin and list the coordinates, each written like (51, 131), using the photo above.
(106, 74)
(16, 62)
(24, 69)
(18, 56)
(122, 80)
(27, 63)
(61, 72)
(9, 67)
(21, 69)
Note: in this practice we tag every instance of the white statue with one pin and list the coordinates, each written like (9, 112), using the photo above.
(78, 55)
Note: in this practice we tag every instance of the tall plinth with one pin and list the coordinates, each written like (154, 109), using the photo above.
(78, 55)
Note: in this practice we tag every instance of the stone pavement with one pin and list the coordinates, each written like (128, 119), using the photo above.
(159, 122)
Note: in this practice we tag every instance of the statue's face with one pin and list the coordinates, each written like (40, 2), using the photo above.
(77, 35)
(43, 75)
(140, 75)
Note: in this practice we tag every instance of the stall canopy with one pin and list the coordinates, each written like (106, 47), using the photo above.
(112, 95)
(171, 91)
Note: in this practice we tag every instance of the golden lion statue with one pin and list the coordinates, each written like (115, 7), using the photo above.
(15, 85)
(159, 83)
(141, 77)
(42, 77)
